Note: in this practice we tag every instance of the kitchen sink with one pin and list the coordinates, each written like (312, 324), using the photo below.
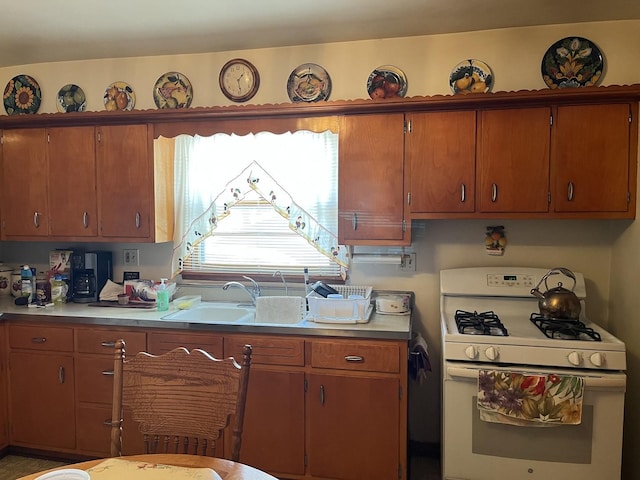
(214, 312)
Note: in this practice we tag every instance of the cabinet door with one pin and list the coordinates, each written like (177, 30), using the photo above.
(41, 402)
(371, 184)
(273, 434)
(441, 154)
(72, 181)
(353, 427)
(591, 158)
(125, 182)
(4, 425)
(24, 187)
(513, 160)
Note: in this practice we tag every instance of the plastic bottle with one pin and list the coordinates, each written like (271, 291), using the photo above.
(162, 299)
(27, 282)
(58, 290)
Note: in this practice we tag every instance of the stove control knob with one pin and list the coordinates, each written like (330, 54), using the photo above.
(597, 359)
(471, 352)
(575, 358)
(492, 353)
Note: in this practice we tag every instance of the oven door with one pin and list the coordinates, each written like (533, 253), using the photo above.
(473, 449)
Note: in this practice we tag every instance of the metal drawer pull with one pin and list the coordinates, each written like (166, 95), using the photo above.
(494, 192)
(36, 220)
(61, 375)
(110, 423)
(354, 221)
(354, 358)
(137, 219)
(38, 339)
(321, 394)
(110, 344)
(463, 193)
(108, 372)
(85, 220)
(570, 192)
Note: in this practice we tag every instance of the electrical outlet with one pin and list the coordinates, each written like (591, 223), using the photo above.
(131, 256)
(408, 263)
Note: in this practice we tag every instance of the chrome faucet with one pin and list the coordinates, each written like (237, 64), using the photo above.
(254, 293)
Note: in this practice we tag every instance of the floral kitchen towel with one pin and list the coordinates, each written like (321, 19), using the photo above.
(530, 400)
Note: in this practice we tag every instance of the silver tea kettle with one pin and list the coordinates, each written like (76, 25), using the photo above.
(558, 303)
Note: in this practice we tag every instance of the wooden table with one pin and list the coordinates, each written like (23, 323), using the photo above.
(227, 469)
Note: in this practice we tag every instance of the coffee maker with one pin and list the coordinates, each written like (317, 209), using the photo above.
(89, 274)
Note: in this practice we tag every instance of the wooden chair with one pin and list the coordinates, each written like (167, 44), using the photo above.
(182, 401)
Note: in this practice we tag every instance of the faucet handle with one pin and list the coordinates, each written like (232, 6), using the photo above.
(256, 287)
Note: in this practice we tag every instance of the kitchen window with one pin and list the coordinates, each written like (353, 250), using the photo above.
(256, 204)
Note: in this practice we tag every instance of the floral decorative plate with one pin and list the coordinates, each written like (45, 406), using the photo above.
(471, 76)
(309, 83)
(572, 62)
(387, 81)
(119, 96)
(71, 98)
(173, 90)
(22, 95)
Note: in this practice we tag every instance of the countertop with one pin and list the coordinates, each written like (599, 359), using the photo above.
(395, 327)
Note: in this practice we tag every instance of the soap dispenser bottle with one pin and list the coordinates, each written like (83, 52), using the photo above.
(162, 299)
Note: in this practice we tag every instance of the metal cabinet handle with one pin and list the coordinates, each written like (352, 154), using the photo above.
(85, 220)
(36, 219)
(321, 394)
(354, 221)
(354, 358)
(108, 372)
(463, 193)
(570, 191)
(494, 192)
(137, 219)
(109, 344)
(61, 375)
(38, 339)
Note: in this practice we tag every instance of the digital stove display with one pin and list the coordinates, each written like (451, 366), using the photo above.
(484, 323)
(564, 329)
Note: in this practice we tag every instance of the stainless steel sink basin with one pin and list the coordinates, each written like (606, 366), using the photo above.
(214, 312)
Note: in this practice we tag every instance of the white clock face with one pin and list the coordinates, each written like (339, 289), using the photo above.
(238, 80)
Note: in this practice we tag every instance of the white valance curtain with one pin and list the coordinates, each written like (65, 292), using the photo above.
(289, 171)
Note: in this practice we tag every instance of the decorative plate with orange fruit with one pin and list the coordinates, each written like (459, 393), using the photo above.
(119, 96)
(471, 76)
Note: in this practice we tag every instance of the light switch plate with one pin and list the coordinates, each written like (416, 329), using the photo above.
(131, 256)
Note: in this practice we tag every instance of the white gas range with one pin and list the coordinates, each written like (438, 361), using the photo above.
(491, 323)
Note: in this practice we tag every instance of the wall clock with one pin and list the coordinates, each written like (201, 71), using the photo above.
(239, 80)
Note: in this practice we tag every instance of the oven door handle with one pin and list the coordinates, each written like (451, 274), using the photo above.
(612, 382)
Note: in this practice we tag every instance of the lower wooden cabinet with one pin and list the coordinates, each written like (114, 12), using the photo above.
(317, 408)
(4, 424)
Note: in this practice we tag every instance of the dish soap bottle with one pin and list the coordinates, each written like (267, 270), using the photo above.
(162, 298)
(27, 283)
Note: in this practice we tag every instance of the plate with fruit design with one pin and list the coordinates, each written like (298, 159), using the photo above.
(71, 98)
(471, 76)
(173, 90)
(387, 81)
(119, 96)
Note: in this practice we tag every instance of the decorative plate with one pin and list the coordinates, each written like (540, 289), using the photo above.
(119, 96)
(22, 95)
(71, 98)
(309, 83)
(387, 81)
(471, 76)
(572, 62)
(173, 90)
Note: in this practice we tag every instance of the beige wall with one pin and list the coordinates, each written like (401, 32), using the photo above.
(605, 251)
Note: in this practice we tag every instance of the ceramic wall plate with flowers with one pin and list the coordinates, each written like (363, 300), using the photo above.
(22, 95)
(572, 62)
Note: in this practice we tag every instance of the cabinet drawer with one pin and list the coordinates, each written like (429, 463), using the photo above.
(160, 342)
(103, 341)
(59, 339)
(267, 350)
(362, 356)
(94, 378)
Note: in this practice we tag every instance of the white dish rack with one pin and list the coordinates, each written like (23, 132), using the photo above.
(341, 310)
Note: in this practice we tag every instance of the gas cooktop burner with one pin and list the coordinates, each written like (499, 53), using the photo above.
(484, 323)
(564, 329)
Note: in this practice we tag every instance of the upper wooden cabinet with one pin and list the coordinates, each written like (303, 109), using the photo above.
(594, 158)
(440, 152)
(371, 180)
(513, 160)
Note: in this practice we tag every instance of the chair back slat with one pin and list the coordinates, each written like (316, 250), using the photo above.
(182, 398)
